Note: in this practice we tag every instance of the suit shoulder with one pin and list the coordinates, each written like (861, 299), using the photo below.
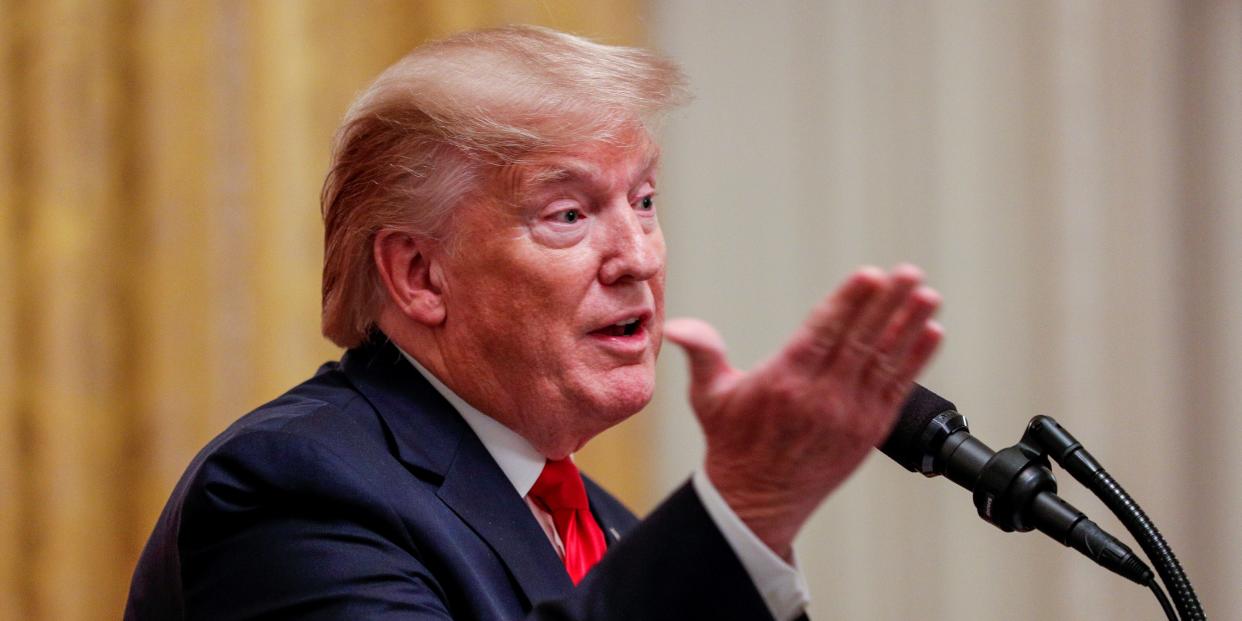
(326, 395)
(317, 438)
(313, 457)
(324, 409)
(318, 454)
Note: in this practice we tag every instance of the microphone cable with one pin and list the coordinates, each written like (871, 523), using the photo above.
(1154, 585)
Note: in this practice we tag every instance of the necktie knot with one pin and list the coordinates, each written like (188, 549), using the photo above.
(559, 487)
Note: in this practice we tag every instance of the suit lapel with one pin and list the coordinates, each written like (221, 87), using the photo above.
(613, 518)
(430, 437)
(477, 490)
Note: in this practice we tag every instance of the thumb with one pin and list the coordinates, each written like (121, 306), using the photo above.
(704, 348)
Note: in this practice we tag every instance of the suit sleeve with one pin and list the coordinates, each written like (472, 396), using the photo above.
(674, 565)
(278, 526)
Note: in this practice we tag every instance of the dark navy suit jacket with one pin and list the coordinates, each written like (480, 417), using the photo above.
(362, 494)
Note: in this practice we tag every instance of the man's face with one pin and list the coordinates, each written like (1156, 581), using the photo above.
(555, 295)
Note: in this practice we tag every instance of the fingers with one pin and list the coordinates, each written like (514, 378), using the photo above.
(867, 329)
(859, 347)
(906, 348)
(878, 314)
(919, 354)
(831, 319)
(704, 348)
(908, 325)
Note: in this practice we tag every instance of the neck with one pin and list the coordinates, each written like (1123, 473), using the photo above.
(474, 384)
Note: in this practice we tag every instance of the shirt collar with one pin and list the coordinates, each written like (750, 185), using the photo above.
(517, 458)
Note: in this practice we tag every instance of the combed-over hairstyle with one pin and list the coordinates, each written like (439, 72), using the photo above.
(422, 137)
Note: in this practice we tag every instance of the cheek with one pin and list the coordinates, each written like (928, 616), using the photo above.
(530, 307)
(559, 284)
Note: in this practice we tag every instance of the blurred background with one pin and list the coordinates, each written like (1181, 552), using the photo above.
(1068, 173)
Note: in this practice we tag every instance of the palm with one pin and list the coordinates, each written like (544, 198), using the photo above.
(783, 435)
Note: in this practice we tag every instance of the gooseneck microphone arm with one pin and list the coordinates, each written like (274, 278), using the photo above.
(1070, 455)
(1013, 489)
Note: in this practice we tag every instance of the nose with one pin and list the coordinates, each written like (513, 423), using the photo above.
(630, 251)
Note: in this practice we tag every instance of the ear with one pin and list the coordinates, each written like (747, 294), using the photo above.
(411, 277)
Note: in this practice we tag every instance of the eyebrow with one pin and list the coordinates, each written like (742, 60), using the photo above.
(563, 172)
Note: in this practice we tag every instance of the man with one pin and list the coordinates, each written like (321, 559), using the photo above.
(494, 265)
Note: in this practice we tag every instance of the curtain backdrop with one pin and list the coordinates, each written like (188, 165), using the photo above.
(1069, 173)
(160, 248)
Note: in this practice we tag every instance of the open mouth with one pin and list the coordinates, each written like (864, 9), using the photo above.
(629, 327)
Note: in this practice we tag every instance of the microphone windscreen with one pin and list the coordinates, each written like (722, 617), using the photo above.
(904, 444)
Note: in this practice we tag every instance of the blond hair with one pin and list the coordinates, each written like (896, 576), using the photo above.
(422, 138)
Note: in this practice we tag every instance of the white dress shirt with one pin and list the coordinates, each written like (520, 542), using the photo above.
(782, 586)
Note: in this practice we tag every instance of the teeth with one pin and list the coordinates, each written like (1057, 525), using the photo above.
(622, 324)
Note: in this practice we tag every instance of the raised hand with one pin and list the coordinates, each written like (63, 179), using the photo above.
(782, 436)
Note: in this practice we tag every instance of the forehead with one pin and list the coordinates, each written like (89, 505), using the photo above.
(598, 164)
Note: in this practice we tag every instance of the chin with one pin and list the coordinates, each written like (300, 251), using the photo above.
(607, 408)
(625, 393)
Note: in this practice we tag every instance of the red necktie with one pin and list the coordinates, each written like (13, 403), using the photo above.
(559, 491)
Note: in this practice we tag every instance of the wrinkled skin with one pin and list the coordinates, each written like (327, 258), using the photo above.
(781, 437)
(563, 247)
(515, 319)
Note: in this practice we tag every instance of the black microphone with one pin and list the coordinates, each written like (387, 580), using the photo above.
(1013, 489)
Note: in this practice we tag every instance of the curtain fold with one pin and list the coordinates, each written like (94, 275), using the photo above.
(1068, 174)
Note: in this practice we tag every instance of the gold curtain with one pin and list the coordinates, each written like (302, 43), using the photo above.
(160, 243)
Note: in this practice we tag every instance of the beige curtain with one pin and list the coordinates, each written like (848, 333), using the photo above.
(160, 164)
(1070, 175)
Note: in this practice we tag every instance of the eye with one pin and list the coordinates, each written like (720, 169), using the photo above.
(647, 203)
(569, 216)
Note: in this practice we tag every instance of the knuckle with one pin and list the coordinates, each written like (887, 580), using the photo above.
(883, 371)
(825, 334)
(815, 348)
(812, 347)
(829, 330)
(854, 351)
(786, 393)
